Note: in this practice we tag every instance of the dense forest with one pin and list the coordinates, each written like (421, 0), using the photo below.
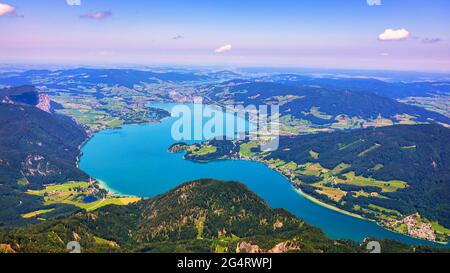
(418, 154)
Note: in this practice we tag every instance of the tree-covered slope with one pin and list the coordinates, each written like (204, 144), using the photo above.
(419, 155)
(37, 145)
(200, 216)
(398, 176)
(35, 148)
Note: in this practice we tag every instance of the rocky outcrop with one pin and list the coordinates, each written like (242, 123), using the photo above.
(283, 247)
(26, 95)
(44, 103)
(244, 247)
(6, 248)
(36, 165)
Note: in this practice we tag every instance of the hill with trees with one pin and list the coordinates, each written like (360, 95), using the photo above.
(36, 148)
(200, 216)
(318, 105)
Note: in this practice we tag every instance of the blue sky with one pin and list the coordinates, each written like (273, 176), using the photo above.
(301, 33)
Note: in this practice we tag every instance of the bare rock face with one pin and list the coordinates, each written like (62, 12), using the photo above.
(44, 103)
(6, 248)
(245, 247)
(284, 247)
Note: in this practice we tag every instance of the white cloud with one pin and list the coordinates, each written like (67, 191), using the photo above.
(224, 48)
(7, 9)
(73, 2)
(374, 2)
(394, 35)
(385, 54)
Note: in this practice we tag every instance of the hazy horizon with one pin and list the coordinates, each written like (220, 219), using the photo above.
(353, 34)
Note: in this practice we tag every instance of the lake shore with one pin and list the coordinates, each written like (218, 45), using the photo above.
(168, 179)
(320, 203)
(315, 200)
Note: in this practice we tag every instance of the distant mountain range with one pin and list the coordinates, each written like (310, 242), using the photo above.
(131, 77)
(389, 89)
(315, 104)
(121, 77)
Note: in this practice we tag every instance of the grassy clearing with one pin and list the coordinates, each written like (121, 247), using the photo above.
(384, 210)
(405, 119)
(102, 241)
(246, 148)
(351, 145)
(377, 167)
(314, 155)
(36, 213)
(66, 187)
(315, 111)
(205, 149)
(313, 169)
(220, 245)
(200, 224)
(73, 193)
(403, 229)
(412, 147)
(437, 227)
(345, 122)
(334, 194)
(22, 182)
(385, 186)
(374, 147)
(291, 166)
(341, 167)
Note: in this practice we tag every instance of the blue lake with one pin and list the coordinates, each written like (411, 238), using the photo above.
(134, 160)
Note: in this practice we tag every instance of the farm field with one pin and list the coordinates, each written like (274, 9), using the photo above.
(81, 194)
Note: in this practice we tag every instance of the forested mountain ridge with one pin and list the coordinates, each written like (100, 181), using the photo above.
(418, 154)
(384, 174)
(318, 105)
(200, 216)
(36, 148)
(91, 76)
(390, 89)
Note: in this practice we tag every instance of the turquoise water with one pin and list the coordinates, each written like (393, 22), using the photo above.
(133, 160)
